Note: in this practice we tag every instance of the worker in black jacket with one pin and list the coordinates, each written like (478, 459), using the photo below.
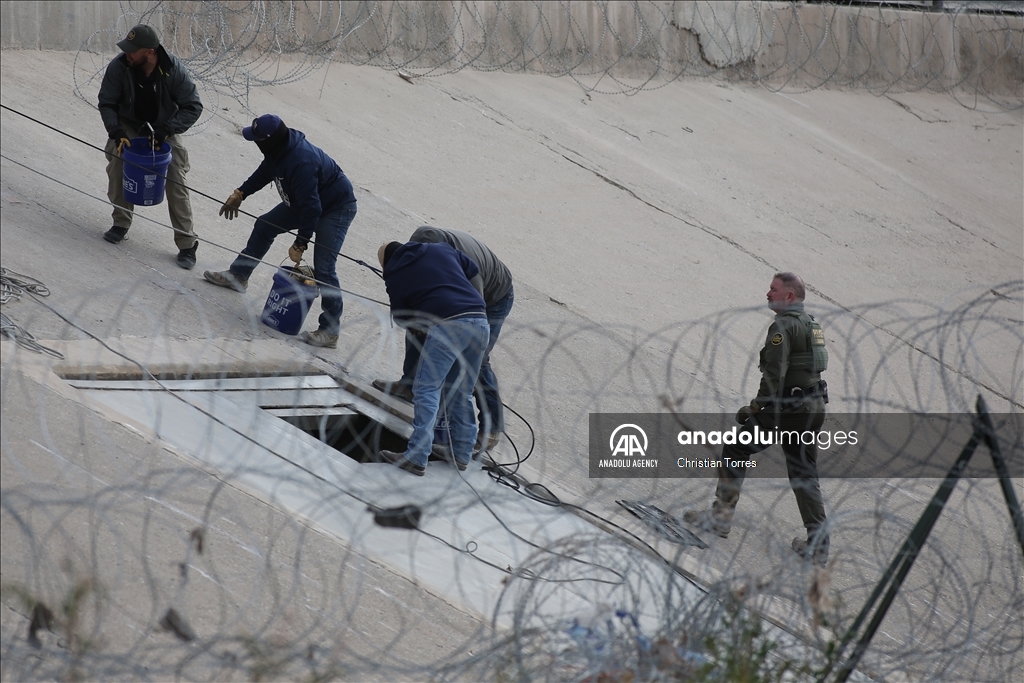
(146, 85)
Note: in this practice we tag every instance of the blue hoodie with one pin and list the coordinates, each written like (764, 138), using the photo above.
(308, 180)
(427, 282)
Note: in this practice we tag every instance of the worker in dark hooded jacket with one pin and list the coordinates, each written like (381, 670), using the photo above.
(498, 295)
(316, 199)
(438, 290)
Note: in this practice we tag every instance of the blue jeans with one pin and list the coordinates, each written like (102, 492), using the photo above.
(450, 362)
(328, 237)
(491, 413)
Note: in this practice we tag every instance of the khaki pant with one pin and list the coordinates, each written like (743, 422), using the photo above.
(176, 194)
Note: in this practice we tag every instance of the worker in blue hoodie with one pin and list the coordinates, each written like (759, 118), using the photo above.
(438, 290)
(316, 199)
(498, 295)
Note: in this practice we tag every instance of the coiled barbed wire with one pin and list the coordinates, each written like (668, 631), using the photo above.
(305, 607)
(967, 50)
(233, 588)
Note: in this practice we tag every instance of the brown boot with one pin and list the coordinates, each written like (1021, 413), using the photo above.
(321, 338)
(226, 279)
(717, 520)
(815, 550)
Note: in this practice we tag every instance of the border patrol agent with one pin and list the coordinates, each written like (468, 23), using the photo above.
(792, 396)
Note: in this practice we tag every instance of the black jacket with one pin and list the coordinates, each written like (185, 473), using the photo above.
(179, 100)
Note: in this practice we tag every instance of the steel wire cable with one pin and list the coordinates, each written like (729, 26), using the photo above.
(172, 228)
(12, 286)
(191, 189)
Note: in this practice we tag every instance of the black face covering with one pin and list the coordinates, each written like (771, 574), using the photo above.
(275, 143)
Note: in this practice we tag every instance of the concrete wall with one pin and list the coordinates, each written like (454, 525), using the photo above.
(807, 45)
(69, 24)
(872, 47)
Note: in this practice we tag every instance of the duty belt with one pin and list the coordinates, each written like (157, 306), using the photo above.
(793, 397)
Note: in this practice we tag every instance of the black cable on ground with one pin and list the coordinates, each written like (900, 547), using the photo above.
(533, 442)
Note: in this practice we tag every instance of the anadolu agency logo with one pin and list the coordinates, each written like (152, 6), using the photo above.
(628, 443)
(628, 446)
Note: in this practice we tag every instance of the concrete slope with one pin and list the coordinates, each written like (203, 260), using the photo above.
(642, 233)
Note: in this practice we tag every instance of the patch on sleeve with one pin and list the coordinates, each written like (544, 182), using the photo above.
(776, 339)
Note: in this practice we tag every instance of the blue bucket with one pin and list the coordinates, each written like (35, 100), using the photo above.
(288, 302)
(145, 170)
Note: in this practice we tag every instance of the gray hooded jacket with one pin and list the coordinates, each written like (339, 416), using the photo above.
(496, 275)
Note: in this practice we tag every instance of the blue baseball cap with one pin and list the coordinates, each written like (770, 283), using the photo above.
(262, 128)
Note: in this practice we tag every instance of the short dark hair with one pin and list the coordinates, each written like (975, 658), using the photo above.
(793, 283)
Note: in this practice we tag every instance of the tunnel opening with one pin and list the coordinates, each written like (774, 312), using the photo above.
(345, 430)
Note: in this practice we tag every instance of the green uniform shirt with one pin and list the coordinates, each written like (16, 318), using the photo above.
(787, 335)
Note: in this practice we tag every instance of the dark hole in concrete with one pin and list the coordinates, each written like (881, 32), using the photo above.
(346, 430)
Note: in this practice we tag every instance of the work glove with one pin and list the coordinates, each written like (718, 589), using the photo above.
(296, 251)
(230, 208)
(122, 139)
(747, 412)
(161, 132)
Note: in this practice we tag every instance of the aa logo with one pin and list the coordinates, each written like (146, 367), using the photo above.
(631, 441)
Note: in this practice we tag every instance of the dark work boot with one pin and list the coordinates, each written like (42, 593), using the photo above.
(187, 257)
(398, 388)
(398, 459)
(116, 235)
